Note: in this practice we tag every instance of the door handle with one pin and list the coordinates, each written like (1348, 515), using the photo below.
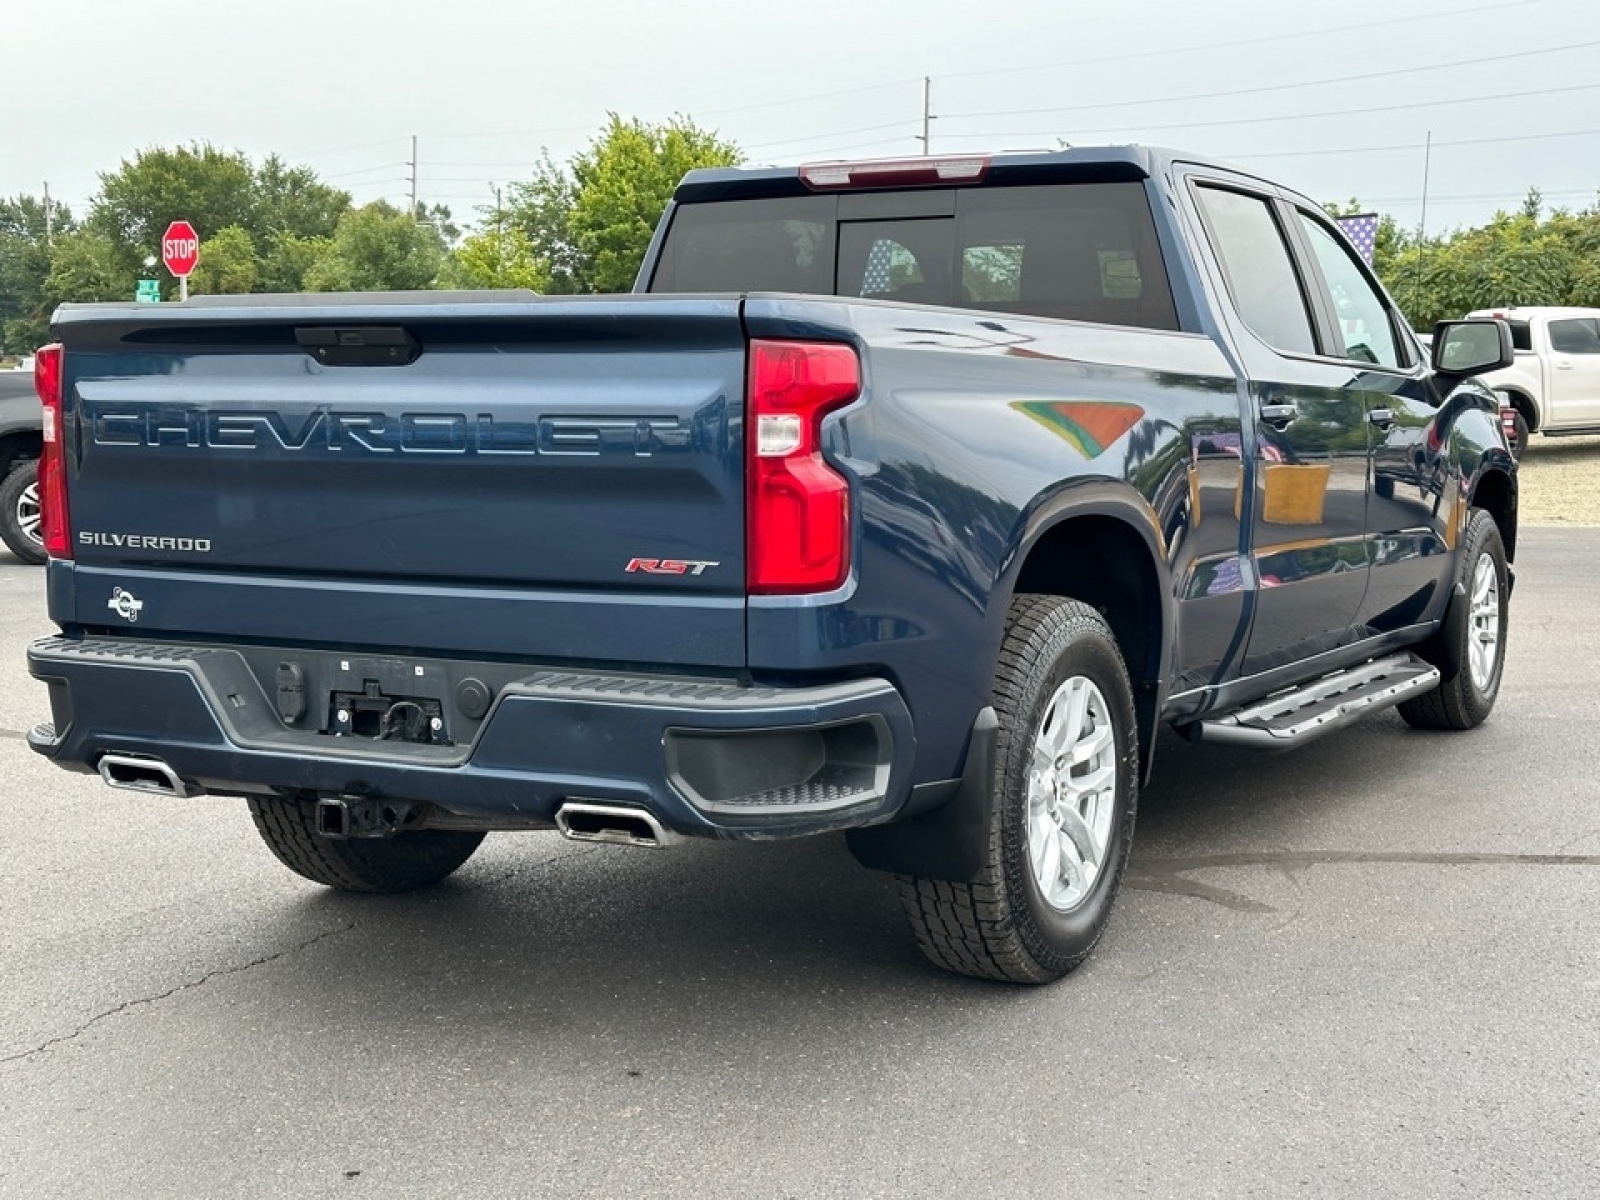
(1279, 416)
(1383, 418)
(1563, 365)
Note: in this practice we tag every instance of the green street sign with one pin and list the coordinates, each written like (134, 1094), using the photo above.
(149, 291)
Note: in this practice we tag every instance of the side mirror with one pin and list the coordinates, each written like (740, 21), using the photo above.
(1462, 348)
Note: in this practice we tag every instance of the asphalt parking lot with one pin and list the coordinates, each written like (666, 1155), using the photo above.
(1369, 968)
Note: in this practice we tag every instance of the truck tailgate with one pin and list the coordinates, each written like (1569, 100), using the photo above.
(490, 495)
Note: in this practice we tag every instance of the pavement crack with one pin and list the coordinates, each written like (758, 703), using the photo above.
(1176, 885)
(188, 985)
(1171, 875)
(1316, 858)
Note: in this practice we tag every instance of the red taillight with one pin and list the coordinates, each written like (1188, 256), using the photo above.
(925, 171)
(53, 524)
(797, 535)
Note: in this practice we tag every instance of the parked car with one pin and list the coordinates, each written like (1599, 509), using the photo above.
(19, 448)
(805, 537)
(1553, 385)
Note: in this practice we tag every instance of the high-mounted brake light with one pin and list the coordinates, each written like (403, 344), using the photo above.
(797, 533)
(926, 171)
(53, 524)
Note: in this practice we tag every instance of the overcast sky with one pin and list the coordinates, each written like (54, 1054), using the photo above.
(1510, 92)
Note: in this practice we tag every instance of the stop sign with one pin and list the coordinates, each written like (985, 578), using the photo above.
(180, 248)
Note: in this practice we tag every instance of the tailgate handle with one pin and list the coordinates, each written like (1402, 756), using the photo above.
(359, 345)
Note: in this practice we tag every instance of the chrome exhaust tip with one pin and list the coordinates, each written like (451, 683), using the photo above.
(135, 773)
(616, 824)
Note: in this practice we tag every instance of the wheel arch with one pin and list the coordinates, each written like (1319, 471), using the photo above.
(17, 446)
(1106, 551)
(1496, 493)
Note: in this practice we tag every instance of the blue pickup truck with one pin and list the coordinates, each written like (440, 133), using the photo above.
(905, 498)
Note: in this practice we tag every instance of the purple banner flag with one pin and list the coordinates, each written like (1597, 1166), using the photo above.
(1362, 230)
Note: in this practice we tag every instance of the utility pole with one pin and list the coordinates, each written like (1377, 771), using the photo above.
(1427, 157)
(927, 114)
(413, 165)
(49, 218)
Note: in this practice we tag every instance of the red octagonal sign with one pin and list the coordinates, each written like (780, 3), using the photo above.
(180, 248)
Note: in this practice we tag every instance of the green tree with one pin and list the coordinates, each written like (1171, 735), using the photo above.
(377, 248)
(84, 266)
(292, 200)
(624, 181)
(276, 204)
(590, 223)
(210, 188)
(286, 259)
(498, 258)
(228, 263)
(1523, 257)
(24, 264)
(541, 207)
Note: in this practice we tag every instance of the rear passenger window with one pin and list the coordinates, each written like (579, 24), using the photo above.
(1081, 252)
(1261, 277)
(1575, 336)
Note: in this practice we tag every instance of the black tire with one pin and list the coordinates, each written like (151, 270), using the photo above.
(19, 514)
(1465, 697)
(1518, 437)
(1000, 925)
(401, 863)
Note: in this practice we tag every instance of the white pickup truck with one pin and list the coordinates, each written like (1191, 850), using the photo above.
(1553, 387)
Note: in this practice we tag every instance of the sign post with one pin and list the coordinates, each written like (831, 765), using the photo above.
(180, 251)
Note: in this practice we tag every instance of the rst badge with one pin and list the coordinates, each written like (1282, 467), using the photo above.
(125, 604)
(668, 566)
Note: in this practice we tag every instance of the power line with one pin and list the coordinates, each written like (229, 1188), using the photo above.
(1342, 112)
(1236, 43)
(1276, 87)
(819, 137)
(1521, 137)
(856, 91)
(1485, 196)
(1362, 26)
(389, 166)
(389, 141)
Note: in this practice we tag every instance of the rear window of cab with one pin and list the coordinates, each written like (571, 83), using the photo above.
(1072, 251)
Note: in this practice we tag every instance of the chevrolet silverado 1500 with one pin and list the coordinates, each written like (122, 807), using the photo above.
(909, 499)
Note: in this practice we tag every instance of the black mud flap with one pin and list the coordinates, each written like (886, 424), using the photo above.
(952, 841)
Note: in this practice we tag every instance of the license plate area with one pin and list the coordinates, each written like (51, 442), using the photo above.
(388, 700)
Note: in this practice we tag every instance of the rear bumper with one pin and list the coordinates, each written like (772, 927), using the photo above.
(710, 759)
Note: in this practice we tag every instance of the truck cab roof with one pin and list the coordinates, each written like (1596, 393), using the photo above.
(1011, 167)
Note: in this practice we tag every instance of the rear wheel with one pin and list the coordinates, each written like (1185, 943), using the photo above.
(1064, 793)
(400, 863)
(1477, 621)
(19, 514)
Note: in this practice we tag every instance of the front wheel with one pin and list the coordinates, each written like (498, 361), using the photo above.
(1476, 621)
(20, 527)
(401, 863)
(1064, 793)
